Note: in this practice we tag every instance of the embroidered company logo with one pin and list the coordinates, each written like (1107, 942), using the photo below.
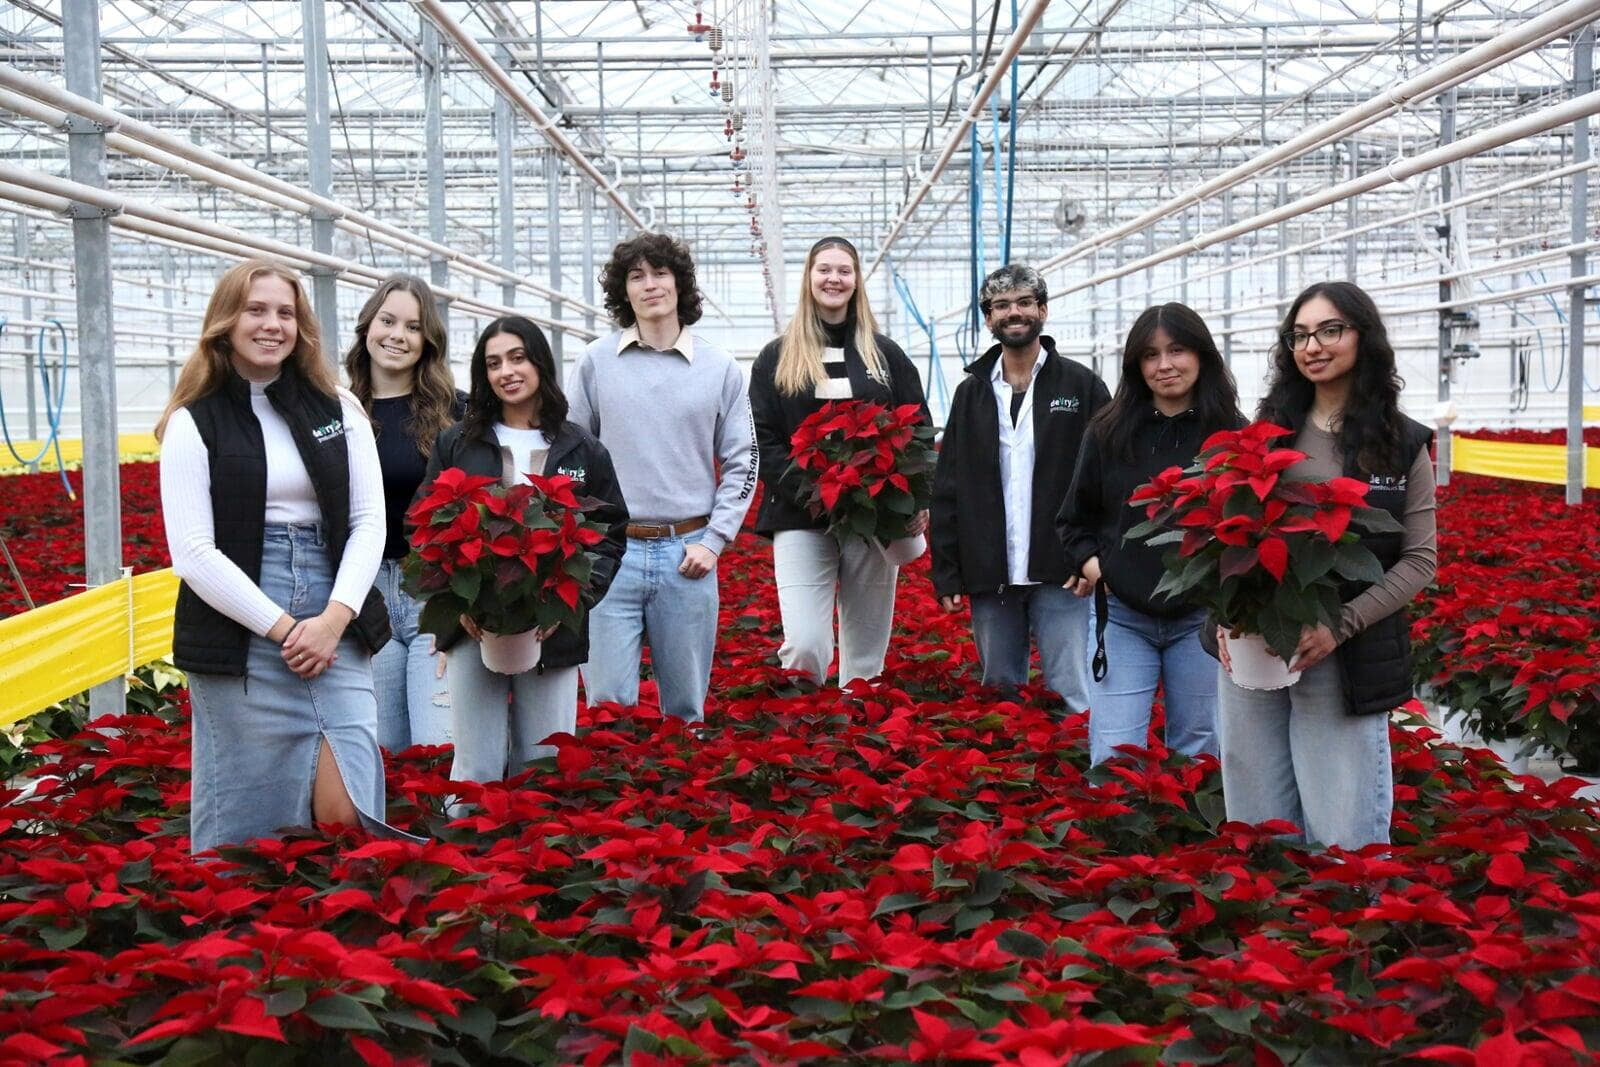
(328, 432)
(577, 474)
(1067, 404)
(1390, 483)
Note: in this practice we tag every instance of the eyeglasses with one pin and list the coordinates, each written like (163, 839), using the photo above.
(1325, 334)
(1021, 303)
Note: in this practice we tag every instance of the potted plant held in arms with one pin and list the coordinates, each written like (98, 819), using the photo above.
(868, 469)
(515, 560)
(1267, 557)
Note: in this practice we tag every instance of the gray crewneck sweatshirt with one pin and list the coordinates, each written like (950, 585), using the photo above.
(669, 422)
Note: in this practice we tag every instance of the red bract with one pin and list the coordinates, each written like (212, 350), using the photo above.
(912, 868)
(865, 467)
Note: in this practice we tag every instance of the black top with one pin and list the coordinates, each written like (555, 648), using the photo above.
(403, 466)
(1096, 516)
(777, 415)
(967, 534)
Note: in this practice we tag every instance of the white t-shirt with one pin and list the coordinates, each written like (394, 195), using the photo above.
(528, 450)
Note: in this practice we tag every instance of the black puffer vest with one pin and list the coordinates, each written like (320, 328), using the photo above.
(1375, 664)
(204, 639)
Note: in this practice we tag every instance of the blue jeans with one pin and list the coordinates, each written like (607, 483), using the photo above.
(1142, 650)
(1298, 754)
(257, 737)
(650, 600)
(1058, 623)
(501, 721)
(413, 701)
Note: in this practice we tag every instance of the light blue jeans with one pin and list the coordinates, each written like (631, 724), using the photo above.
(650, 601)
(413, 700)
(1058, 623)
(257, 737)
(1297, 754)
(500, 721)
(1142, 650)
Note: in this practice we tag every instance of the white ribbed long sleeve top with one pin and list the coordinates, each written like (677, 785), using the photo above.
(191, 534)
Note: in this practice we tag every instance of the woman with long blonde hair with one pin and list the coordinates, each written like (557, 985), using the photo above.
(399, 369)
(273, 505)
(831, 350)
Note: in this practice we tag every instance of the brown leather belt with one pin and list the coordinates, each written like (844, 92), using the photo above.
(649, 531)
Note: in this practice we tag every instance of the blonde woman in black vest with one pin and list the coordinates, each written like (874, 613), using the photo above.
(273, 505)
(1317, 753)
(830, 351)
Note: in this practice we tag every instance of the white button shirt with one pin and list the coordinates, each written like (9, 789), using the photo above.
(1016, 469)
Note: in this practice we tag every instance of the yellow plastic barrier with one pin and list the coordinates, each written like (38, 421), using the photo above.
(1591, 413)
(130, 447)
(1520, 462)
(50, 653)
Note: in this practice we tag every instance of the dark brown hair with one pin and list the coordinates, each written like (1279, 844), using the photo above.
(433, 387)
(658, 250)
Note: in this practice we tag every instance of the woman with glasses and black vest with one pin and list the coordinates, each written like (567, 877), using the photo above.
(1174, 392)
(1317, 753)
(831, 351)
(399, 369)
(273, 505)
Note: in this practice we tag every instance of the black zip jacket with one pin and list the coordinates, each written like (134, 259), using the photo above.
(777, 416)
(968, 521)
(1096, 514)
(578, 455)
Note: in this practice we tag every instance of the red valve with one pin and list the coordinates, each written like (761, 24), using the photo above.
(698, 27)
(727, 129)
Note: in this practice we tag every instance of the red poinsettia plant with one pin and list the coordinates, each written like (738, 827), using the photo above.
(866, 467)
(1265, 555)
(511, 559)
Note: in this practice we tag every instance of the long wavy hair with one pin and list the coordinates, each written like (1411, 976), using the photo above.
(211, 362)
(800, 351)
(1216, 398)
(658, 250)
(433, 387)
(1371, 428)
(484, 408)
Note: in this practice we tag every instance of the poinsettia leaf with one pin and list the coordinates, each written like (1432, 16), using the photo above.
(898, 902)
(1022, 943)
(340, 1011)
(1356, 563)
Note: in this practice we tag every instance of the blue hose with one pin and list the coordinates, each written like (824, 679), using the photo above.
(53, 408)
(934, 386)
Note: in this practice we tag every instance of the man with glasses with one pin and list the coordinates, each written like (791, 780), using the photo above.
(1010, 446)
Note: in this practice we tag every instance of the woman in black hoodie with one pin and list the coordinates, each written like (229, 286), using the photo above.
(1174, 392)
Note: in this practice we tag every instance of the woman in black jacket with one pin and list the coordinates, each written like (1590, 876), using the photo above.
(1174, 392)
(831, 351)
(516, 423)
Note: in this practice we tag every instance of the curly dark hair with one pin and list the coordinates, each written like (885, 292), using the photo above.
(1371, 429)
(658, 250)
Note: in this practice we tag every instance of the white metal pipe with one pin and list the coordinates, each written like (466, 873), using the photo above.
(50, 104)
(502, 81)
(67, 298)
(1013, 45)
(1429, 82)
(1398, 170)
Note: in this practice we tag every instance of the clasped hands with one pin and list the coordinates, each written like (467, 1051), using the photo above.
(310, 646)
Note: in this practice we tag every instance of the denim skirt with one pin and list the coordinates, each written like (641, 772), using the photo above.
(257, 737)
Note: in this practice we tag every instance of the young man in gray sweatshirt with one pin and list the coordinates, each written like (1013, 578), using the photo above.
(672, 409)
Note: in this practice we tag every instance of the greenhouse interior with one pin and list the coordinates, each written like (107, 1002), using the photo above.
(1184, 213)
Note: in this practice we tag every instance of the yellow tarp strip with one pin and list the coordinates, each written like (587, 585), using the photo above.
(1591, 413)
(1521, 462)
(130, 447)
(50, 653)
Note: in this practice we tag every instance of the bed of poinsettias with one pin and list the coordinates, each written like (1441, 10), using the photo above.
(910, 871)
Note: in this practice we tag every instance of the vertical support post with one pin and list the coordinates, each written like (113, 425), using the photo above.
(1227, 282)
(552, 181)
(97, 369)
(169, 277)
(586, 195)
(1350, 243)
(1577, 311)
(505, 132)
(324, 293)
(1283, 242)
(1447, 134)
(433, 136)
(1183, 261)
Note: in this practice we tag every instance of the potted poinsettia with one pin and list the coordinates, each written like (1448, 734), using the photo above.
(515, 560)
(868, 469)
(1265, 555)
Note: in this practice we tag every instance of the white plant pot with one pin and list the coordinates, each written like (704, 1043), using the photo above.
(1255, 666)
(1507, 751)
(510, 653)
(903, 550)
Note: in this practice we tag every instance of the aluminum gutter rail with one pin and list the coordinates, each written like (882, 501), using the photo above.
(1435, 79)
(52, 105)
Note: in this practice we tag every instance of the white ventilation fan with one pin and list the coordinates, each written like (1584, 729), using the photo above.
(1070, 214)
